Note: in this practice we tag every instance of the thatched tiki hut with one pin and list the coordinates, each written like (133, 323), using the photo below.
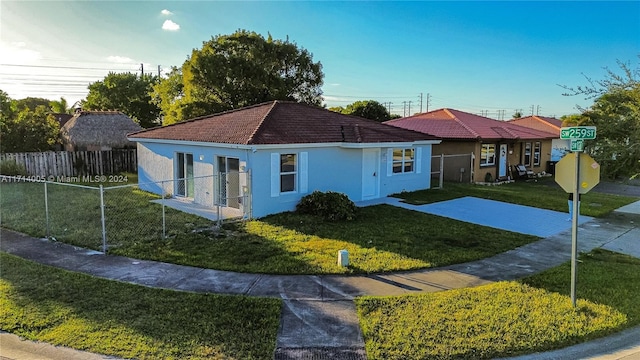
(98, 131)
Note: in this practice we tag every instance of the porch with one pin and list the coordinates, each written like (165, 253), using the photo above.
(215, 213)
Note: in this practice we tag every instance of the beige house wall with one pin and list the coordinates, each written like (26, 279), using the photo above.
(515, 155)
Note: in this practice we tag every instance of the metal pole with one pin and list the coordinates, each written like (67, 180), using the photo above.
(441, 177)
(164, 217)
(574, 232)
(104, 227)
(46, 210)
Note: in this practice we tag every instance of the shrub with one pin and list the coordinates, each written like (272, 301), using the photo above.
(11, 168)
(329, 205)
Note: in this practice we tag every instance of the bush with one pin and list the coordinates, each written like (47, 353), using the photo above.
(11, 168)
(330, 205)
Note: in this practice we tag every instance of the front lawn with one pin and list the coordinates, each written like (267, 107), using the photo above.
(543, 194)
(382, 238)
(41, 303)
(506, 318)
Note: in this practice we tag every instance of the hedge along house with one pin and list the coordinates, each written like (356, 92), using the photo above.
(497, 145)
(279, 151)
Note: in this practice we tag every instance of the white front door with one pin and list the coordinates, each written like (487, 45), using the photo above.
(502, 165)
(370, 173)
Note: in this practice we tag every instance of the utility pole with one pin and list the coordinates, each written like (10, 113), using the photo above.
(159, 71)
(428, 101)
(409, 107)
(420, 102)
(141, 70)
(538, 109)
(389, 108)
(404, 109)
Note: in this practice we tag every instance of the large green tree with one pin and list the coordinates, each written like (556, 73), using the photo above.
(126, 92)
(61, 106)
(616, 115)
(368, 109)
(241, 69)
(29, 130)
(31, 103)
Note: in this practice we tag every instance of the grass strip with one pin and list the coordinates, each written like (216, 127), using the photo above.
(544, 194)
(506, 318)
(75, 310)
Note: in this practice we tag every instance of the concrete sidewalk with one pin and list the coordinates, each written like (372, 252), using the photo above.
(318, 317)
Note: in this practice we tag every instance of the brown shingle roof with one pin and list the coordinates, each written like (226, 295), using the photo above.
(281, 122)
(459, 125)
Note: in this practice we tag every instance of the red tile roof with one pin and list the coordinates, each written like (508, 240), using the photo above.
(542, 123)
(281, 122)
(459, 125)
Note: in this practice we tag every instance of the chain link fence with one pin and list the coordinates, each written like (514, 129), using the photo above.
(125, 216)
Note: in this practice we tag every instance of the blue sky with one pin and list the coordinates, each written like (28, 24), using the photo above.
(482, 57)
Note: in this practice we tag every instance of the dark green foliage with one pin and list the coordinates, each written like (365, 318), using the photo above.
(368, 109)
(11, 168)
(126, 92)
(237, 70)
(29, 130)
(330, 205)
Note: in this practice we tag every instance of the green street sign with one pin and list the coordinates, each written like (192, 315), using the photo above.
(578, 132)
(577, 145)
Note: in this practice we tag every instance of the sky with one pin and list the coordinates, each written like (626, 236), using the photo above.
(487, 58)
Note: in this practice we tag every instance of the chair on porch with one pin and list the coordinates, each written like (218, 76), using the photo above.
(523, 173)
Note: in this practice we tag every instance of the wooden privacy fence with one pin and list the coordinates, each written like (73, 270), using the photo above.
(76, 163)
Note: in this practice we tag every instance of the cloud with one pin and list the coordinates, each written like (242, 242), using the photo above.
(335, 84)
(18, 53)
(120, 59)
(170, 26)
(166, 12)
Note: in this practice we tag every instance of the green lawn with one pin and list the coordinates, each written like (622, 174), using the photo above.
(382, 238)
(76, 310)
(506, 318)
(542, 194)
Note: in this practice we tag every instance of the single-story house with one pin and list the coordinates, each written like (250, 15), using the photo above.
(278, 152)
(497, 145)
(97, 131)
(559, 147)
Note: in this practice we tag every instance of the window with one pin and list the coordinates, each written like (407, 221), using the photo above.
(403, 160)
(536, 153)
(288, 172)
(488, 155)
(527, 154)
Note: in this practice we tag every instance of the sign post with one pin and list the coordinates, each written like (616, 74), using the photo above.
(577, 180)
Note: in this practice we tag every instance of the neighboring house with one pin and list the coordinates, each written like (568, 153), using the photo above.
(559, 147)
(497, 145)
(97, 131)
(278, 152)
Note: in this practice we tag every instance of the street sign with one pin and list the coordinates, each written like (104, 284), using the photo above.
(576, 173)
(578, 132)
(577, 145)
(566, 173)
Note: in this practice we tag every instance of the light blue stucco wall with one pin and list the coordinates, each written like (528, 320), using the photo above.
(333, 168)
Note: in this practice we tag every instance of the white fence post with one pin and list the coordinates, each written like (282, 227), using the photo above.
(441, 171)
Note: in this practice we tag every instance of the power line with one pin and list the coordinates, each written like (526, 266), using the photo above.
(61, 67)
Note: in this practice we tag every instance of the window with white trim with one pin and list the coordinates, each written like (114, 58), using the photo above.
(536, 153)
(288, 172)
(403, 160)
(488, 155)
(527, 154)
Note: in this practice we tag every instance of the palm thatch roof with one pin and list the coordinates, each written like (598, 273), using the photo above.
(99, 128)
